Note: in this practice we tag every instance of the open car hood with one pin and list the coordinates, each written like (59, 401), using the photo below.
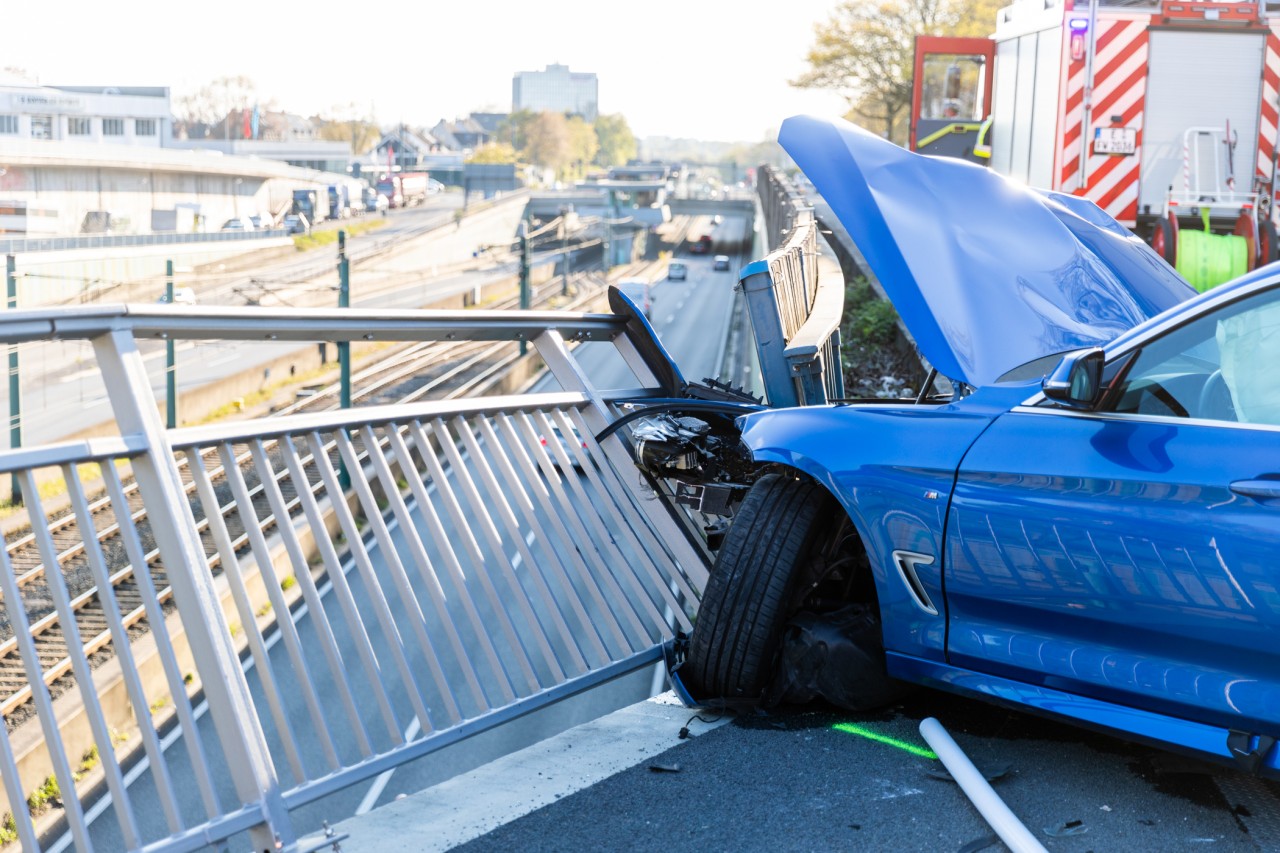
(985, 273)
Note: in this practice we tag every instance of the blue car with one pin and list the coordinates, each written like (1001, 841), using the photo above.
(1080, 516)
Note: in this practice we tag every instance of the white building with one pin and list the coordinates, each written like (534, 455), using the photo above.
(557, 89)
(121, 115)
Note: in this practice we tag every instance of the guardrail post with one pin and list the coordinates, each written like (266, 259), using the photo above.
(524, 275)
(170, 363)
(248, 758)
(344, 347)
(15, 393)
(757, 285)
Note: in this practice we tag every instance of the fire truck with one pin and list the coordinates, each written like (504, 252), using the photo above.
(1162, 112)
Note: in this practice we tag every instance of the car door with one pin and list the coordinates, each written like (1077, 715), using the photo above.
(1132, 553)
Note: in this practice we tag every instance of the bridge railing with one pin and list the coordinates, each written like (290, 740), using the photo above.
(352, 589)
(795, 298)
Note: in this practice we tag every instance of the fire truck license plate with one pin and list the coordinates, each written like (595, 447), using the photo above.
(1115, 140)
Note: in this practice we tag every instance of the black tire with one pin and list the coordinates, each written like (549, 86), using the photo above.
(1164, 240)
(1268, 243)
(734, 648)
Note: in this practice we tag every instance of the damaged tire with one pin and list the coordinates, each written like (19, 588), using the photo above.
(749, 597)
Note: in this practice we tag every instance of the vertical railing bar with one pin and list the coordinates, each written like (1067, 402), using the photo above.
(497, 501)
(423, 562)
(315, 606)
(17, 611)
(679, 541)
(124, 651)
(557, 562)
(288, 631)
(168, 658)
(602, 539)
(346, 601)
(645, 540)
(57, 587)
(13, 783)
(644, 528)
(400, 580)
(436, 530)
(519, 596)
(445, 490)
(582, 548)
(248, 620)
(617, 530)
(381, 610)
(647, 579)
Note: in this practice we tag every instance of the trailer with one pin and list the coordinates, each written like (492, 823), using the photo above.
(1162, 112)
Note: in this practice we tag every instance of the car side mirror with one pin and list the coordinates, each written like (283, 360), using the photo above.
(1077, 380)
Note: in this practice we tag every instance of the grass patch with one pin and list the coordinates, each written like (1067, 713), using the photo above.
(263, 610)
(318, 239)
(40, 798)
(868, 320)
(288, 582)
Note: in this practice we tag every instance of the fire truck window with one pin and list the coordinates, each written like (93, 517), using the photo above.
(952, 87)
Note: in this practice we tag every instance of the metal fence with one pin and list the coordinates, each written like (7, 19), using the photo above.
(19, 245)
(488, 558)
(795, 312)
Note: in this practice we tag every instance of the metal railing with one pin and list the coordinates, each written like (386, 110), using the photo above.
(795, 312)
(21, 245)
(488, 559)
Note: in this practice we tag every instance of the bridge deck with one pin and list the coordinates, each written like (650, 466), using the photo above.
(793, 781)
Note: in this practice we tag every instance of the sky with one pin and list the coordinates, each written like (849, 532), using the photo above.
(702, 69)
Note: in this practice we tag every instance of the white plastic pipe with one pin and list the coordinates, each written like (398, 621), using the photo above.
(988, 803)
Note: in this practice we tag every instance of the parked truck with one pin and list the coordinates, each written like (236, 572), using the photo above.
(405, 189)
(312, 204)
(1162, 112)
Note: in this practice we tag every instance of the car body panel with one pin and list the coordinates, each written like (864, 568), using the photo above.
(1120, 566)
(1134, 724)
(986, 274)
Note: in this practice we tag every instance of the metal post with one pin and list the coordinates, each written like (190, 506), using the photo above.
(344, 347)
(15, 399)
(170, 363)
(524, 276)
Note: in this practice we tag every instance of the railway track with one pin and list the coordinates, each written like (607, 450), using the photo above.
(429, 370)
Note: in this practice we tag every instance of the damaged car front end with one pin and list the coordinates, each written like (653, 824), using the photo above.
(1084, 526)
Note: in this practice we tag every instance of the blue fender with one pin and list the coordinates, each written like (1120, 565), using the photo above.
(892, 468)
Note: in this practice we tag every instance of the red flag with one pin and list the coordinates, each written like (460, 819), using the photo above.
(247, 127)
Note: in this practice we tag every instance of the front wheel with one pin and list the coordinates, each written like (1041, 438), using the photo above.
(790, 549)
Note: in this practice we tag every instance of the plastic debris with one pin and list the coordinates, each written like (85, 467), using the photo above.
(665, 768)
(991, 774)
(1066, 829)
(979, 844)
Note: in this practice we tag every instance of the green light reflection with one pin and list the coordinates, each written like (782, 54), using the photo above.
(918, 751)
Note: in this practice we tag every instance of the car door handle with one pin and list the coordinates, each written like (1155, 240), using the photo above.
(1263, 490)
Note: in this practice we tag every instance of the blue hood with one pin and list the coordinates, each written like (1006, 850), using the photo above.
(987, 274)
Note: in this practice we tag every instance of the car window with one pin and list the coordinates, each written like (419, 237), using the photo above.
(1220, 366)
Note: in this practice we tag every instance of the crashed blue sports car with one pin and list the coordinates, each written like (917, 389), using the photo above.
(1083, 520)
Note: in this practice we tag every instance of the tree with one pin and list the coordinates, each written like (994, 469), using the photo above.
(217, 106)
(348, 123)
(583, 144)
(617, 142)
(866, 49)
(547, 141)
(493, 152)
(513, 129)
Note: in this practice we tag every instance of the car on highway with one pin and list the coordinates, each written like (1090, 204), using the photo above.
(677, 271)
(721, 263)
(237, 224)
(1077, 514)
(295, 223)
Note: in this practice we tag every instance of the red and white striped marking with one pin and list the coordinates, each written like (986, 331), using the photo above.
(1119, 88)
(1269, 114)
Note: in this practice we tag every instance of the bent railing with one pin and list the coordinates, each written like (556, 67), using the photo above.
(488, 559)
(795, 314)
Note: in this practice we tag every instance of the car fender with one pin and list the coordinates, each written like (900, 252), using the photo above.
(892, 468)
